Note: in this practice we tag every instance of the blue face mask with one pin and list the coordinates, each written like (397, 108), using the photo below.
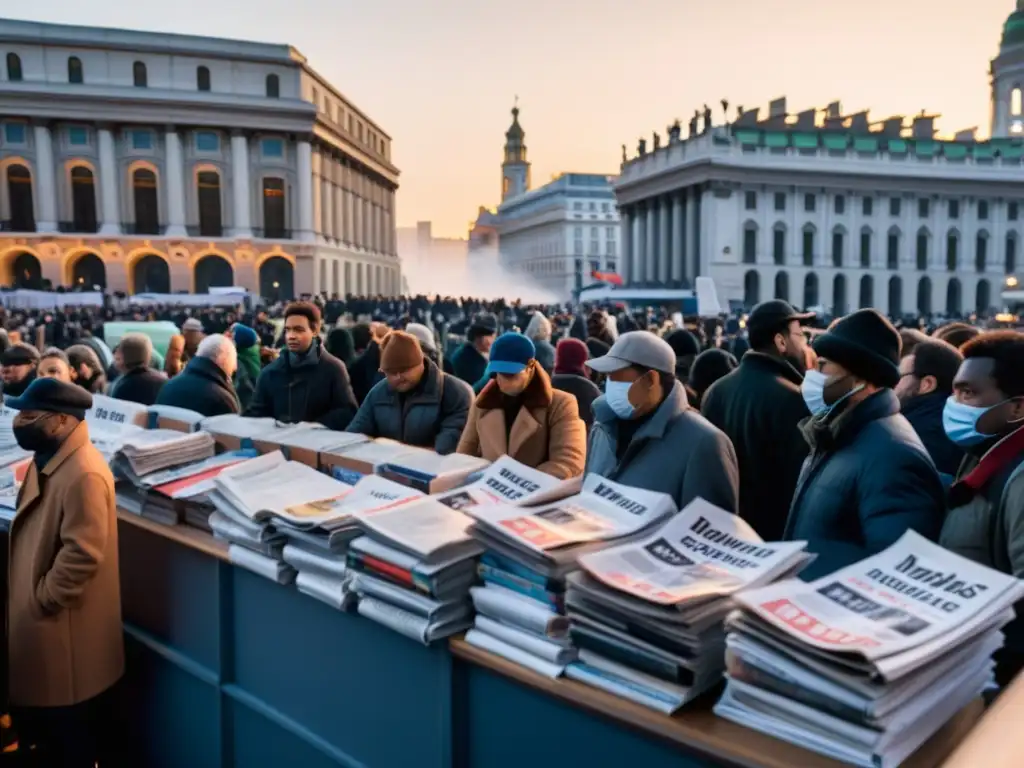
(616, 394)
(961, 422)
(813, 390)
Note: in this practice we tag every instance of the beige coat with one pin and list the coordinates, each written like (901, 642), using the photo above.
(547, 434)
(64, 626)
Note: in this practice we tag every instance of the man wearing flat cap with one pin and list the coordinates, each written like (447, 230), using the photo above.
(18, 363)
(868, 478)
(64, 631)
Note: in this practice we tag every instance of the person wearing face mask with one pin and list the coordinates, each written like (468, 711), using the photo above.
(518, 413)
(985, 417)
(868, 478)
(64, 632)
(760, 407)
(645, 433)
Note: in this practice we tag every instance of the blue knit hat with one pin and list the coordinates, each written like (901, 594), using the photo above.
(511, 353)
(245, 336)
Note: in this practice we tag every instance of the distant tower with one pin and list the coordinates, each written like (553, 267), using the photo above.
(515, 170)
(1008, 78)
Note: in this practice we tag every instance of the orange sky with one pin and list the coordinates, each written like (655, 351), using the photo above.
(590, 74)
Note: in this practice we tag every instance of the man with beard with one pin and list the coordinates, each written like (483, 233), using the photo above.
(759, 406)
(18, 368)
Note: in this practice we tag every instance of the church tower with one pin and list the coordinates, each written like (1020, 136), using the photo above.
(515, 170)
(1008, 78)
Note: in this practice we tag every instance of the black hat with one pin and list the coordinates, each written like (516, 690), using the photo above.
(683, 342)
(53, 396)
(485, 322)
(769, 317)
(20, 354)
(865, 344)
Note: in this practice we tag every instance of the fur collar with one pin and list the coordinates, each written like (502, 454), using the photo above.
(538, 393)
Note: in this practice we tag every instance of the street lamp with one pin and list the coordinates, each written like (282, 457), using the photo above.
(1011, 282)
(276, 284)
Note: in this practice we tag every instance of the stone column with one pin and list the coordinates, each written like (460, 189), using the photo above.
(240, 189)
(46, 181)
(110, 208)
(640, 249)
(626, 245)
(664, 254)
(304, 226)
(327, 206)
(690, 265)
(651, 252)
(175, 185)
(678, 268)
(698, 231)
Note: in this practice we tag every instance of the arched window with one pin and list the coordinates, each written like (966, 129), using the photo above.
(1015, 101)
(76, 74)
(203, 78)
(922, 249)
(924, 296)
(810, 290)
(1011, 253)
(274, 207)
(867, 292)
(779, 244)
(782, 286)
(750, 243)
(838, 241)
(865, 248)
(14, 68)
(839, 295)
(953, 297)
(895, 296)
(751, 288)
(139, 79)
(19, 193)
(208, 183)
(892, 250)
(273, 87)
(808, 246)
(83, 200)
(144, 194)
(983, 297)
(952, 251)
(981, 252)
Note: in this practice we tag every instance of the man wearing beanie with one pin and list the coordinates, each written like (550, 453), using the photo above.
(247, 342)
(571, 376)
(868, 478)
(416, 403)
(64, 632)
(139, 383)
(19, 363)
(518, 413)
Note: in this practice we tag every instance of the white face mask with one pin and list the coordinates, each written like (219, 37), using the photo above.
(813, 390)
(617, 396)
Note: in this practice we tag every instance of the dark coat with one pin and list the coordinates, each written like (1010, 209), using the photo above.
(468, 363)
(759, 406)
(139, 385)
(583, 389)
(366, 372)
(320, 393)
(925, 415)
(202, 387)
(544, 353)
(433, 416)
(867, 480)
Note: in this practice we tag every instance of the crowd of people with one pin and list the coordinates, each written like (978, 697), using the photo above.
(844, 436)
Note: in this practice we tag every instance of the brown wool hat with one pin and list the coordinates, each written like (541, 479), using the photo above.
(399, 351)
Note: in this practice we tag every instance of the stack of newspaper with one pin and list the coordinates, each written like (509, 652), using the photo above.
(111, 421)
(530, 552)
(151, 450)
(648, 616)
(253, 497)
(865, 664)
(413, 569)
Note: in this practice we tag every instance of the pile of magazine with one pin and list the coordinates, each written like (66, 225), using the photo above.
(413, 569)
(253, 498)
(648, 616)
(529, 553)
(865, 664)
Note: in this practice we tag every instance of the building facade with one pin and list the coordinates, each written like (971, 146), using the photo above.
(141, 161)
(431, 263)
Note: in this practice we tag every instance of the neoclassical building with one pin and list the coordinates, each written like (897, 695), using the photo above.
(141, 161)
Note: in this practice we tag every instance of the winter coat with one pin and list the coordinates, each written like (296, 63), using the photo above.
(676, 451)
(547, 433)
(468, 363)
(924, 413)
(431, 416)
(759, 406)
(64, 632)
(366, 372)
(867, 480)
(583, 389)
(139, 385)
(202, 387)
(320, 392)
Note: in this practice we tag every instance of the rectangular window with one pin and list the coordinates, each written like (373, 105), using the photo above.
(865, 249)
(577, 206)
(592, 207)
(207, 141)
(808, 249)
(750, 199)
(577, 247)
(610, 247)
(780, 201)
(1012, 211)
(868, 206)
(14, 133)
(609, 232)
(982, 210)
(272, 148)
(809, 203)
(894, 206)
(954, 209)
(604, 207)
(840, 204)
(779, 246)
(78, 136)
(750, 246)
(142, 139)
(923, 209)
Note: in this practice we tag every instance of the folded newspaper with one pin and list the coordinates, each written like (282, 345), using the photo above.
(648, 615)
(865, 664)
(111, 420)
(507, 481)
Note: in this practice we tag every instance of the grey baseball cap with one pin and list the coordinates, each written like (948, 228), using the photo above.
(641, 348)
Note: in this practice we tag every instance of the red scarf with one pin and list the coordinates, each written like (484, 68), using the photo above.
(1001, 454)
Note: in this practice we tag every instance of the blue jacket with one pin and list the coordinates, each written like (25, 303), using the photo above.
(868, 479)
(924, 413)
(468, 363)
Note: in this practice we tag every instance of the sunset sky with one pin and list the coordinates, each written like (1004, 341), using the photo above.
(440, 76)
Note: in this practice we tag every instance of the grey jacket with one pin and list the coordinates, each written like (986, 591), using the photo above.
(432, 417)
(677, 452)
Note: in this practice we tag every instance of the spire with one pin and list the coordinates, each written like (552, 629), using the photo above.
(515, 131)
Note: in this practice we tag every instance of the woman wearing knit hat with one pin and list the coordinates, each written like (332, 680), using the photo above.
(518, 413)
(416, 403)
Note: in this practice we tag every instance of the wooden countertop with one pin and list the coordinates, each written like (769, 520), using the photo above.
(183, 534)
(695, 729)
(996, 742)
